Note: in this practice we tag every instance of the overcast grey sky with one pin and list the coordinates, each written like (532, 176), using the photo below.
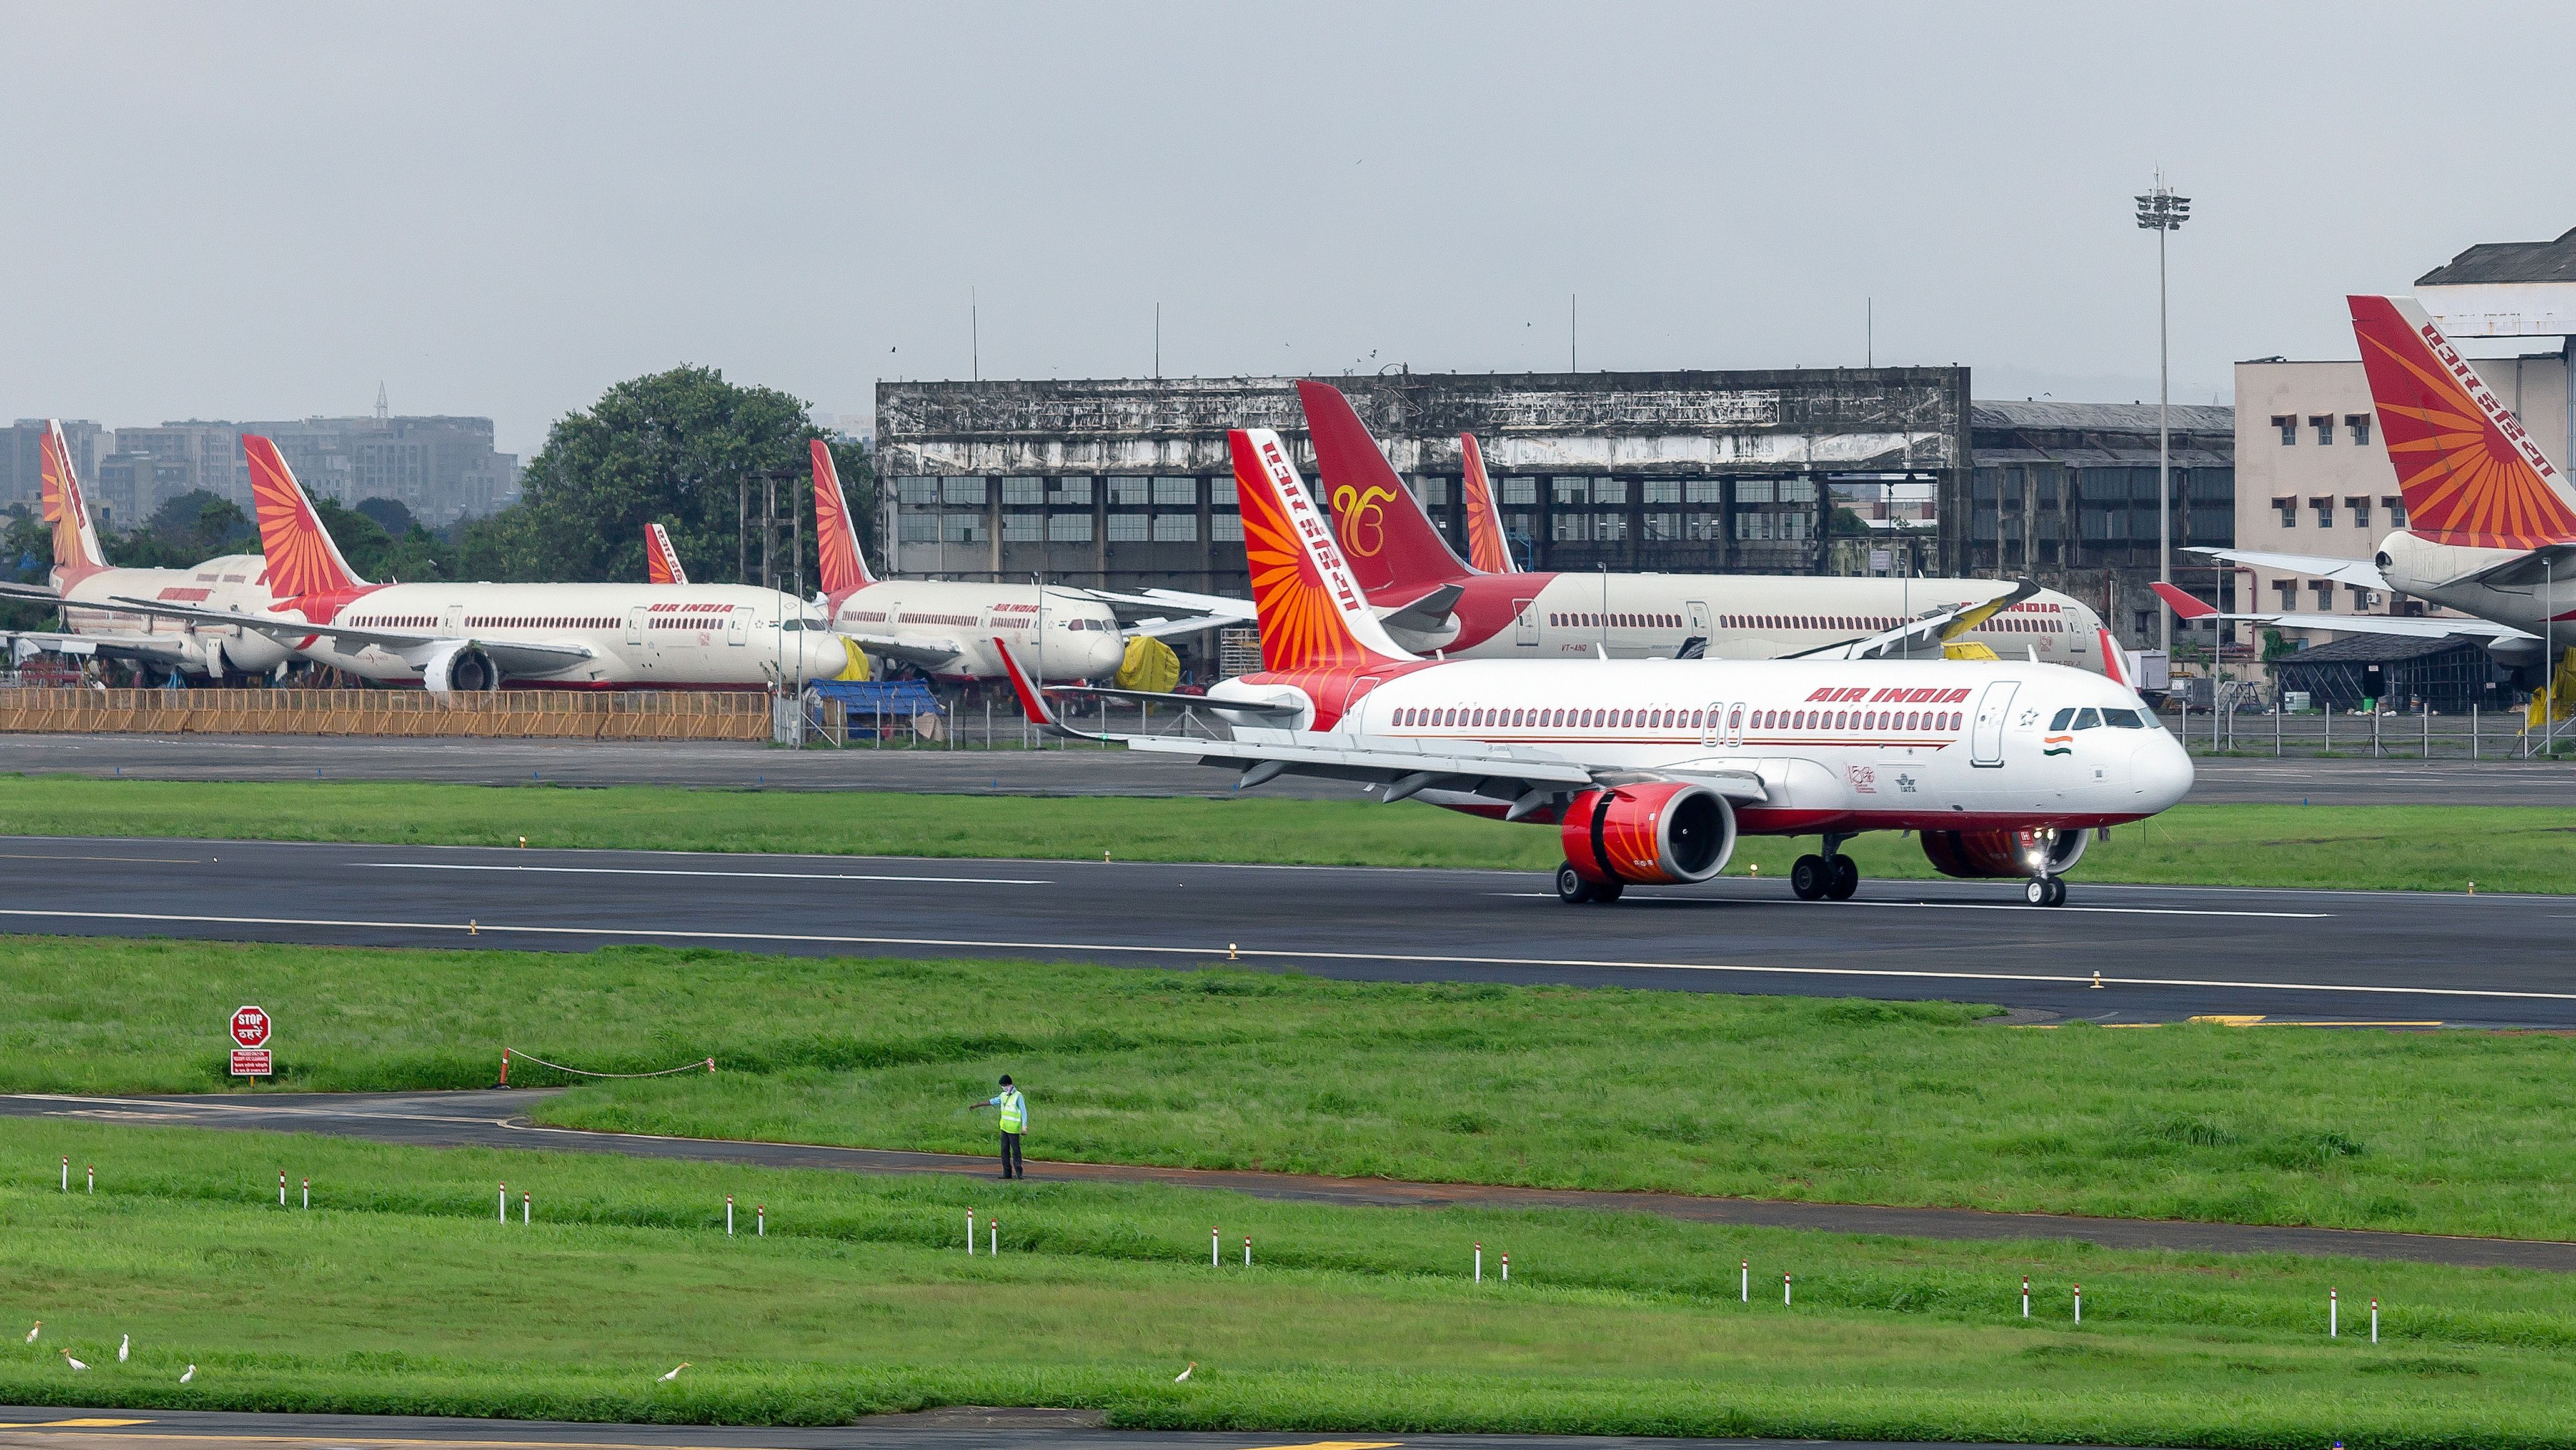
(260, 211)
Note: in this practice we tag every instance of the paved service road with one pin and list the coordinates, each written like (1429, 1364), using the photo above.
(496, 1119)
(955, 1428)
(1077, 771)
(2162, 952)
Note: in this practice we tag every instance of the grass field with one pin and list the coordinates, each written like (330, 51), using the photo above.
(398, 1292)
(1779, 1097)
(2411, 848)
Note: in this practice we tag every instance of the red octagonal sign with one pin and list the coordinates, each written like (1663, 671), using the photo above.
(250, 1026)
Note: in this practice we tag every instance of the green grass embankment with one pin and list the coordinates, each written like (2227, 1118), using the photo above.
(2412, 848)
(1776, 1097)
(399, 1293)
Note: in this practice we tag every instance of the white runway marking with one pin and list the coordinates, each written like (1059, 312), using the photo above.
(1211, 953)
(704, 875)
(1956, 906)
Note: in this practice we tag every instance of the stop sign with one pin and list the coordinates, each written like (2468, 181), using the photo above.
(250, 1026)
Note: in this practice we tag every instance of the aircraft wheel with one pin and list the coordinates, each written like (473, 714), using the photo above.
(2036, 891)
(2057, 891)
(1846, 879)
(1610, 893)
(1809, 877)
(1571, 888)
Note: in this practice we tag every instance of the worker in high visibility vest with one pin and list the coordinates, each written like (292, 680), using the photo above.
(1015, 1121)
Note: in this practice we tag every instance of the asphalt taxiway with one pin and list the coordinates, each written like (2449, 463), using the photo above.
(1078, 770)
(2113, 954)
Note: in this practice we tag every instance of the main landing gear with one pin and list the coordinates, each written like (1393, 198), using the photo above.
(1832, 876)
(2044, 891)
(1573, 890)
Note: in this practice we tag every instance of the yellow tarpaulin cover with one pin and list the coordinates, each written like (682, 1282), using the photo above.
(1972, 650)
(1150, 665)
(857, 669)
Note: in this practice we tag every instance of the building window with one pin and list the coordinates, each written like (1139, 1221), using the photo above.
(1221, 492)
(1023, 490)
(2396, 506)
(1069, 528)
(917, 528)
(1703, 490)
(915, 489)
(1797, 490)
(1181, 491)
(1068, 490)
(1434, 492)
(1662, 528)
(1226, 528)
(961, 490)
(2288, 423)
(1518, 490)
(1573, 490)
(1129, 490)
(961, 528)
(1176, 528)
(1570, 528)
(2325, 511)
(1609, 528)
(1125, 528)
(2359, 423)
(2288, 589)
(2360, 511)
(1662, 490)
(2324, 424)
(2289, 508)
(1703, 528)
(1752, 490)
(2324, 590)
(1022, 528)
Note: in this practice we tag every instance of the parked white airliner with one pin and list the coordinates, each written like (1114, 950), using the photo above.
(458, 636)
(1649, 769)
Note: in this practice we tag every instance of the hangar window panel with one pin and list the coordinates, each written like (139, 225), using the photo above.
(1517, 490)
(1703, 490)
(962, 490)
(1609, 490)
(916, 528)
(962, 528)
(1124, 528)
(1797, 490)
(1023, 491)
(1661, 490)
(1068, 490)
(1221, 491)
(1573, 490)
(1753, 490)
(1129, 490)
(1570, 528)
(1226, 528)
(1022, 528)
(913, 488)
(1516, 525)
(1069, 528)
(1662, 528)
(1176, 528)
(1704, 528)
(1432, 489)
(1184, 491)
(1753, 526)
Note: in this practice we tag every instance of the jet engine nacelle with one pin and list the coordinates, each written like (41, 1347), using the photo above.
(459, 666)
(2003, 853)
(2521, 653)
(249, 651)
(1663, 834)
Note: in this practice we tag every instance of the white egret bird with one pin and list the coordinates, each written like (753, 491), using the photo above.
(31, 1334)
(124, 1347)
(674, 1374)
(191, 1374)
(1185, 1374)
(67, 1359)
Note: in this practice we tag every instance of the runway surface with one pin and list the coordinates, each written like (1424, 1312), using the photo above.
(958, 1428)
(2161, 952)
(497, 1120)
(1051, 772)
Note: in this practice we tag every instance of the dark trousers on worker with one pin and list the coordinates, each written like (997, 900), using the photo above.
(1011, 1157)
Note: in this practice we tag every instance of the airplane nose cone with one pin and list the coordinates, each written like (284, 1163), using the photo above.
(2161, 772)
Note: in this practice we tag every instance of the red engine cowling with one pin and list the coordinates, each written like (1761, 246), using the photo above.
(1648, 835)
(2003, 853)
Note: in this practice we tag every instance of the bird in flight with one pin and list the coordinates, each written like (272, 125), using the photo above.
(67, 1359)
(674, 1374)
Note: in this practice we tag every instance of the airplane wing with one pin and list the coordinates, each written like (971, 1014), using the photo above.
(2550, 564)
(1426, 614)
(930, 654)
(169, 649)
(1219, 608)
(516, 656)
(41, 593)
(2189, 610)
(1924, 635)
(1161, 628)
(2342, 571)
(1249, 708)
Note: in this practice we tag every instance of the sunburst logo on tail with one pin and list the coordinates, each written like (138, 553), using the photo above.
(1486, 551)
(76, 550)
(836, 536)
(2471, 474)
(661, 561)
(1313, 616)
(301, 557)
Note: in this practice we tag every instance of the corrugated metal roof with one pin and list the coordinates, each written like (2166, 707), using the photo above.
(2098, 417)
(2552, 261)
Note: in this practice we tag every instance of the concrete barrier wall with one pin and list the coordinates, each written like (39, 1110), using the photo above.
(548, 714)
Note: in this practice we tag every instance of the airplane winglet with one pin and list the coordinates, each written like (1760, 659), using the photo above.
(2183, 605)
(1033, 702)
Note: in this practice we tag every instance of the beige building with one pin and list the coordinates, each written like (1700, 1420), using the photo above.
(2313, 477)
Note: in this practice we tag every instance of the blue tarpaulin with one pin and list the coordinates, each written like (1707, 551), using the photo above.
(901, 700)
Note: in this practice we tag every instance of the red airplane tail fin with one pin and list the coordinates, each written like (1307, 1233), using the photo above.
(1487, 550)
(661, 561)
(2470, 473)
(1388, 539)
(2183, 605)
(836, 534)
(302, 559)
(1313, 613)
(76, 550)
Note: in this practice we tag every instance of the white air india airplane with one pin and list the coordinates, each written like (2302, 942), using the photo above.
(1649, 769)
(2489, 529)
(947, 628)
(83, 583)
(454, 636)
(1431, 600)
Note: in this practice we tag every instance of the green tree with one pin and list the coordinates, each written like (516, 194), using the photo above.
(2276, 645)
(1846, 521)
(185, 531)
(411, 555)
(683, 448)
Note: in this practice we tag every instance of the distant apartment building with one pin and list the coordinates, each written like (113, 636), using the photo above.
(21, 458)
(2313, 477)
(441, 468)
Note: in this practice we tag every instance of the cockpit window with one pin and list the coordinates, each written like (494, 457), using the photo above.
(2090, 719)
(2123, 720)
(2065, 718)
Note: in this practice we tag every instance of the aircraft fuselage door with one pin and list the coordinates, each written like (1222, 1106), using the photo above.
(1994, 707)
(455, 619)
(1735, 723)
(1715, 730)
(635, 625)
(734, 631)
(1699, 616)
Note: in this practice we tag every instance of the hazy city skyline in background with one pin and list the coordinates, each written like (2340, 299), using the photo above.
(496, 211)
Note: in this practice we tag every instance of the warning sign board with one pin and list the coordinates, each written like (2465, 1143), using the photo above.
(250, 1062)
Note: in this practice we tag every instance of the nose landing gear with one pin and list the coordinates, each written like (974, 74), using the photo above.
(2045, 891)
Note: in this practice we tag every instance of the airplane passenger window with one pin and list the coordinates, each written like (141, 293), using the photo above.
(2123, 720)
(2091, 719)
(2064, 719)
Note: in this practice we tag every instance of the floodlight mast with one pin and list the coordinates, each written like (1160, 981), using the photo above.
(2161, 211)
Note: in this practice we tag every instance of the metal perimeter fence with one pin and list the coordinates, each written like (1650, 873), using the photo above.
(2410, 735)
(545, 714)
